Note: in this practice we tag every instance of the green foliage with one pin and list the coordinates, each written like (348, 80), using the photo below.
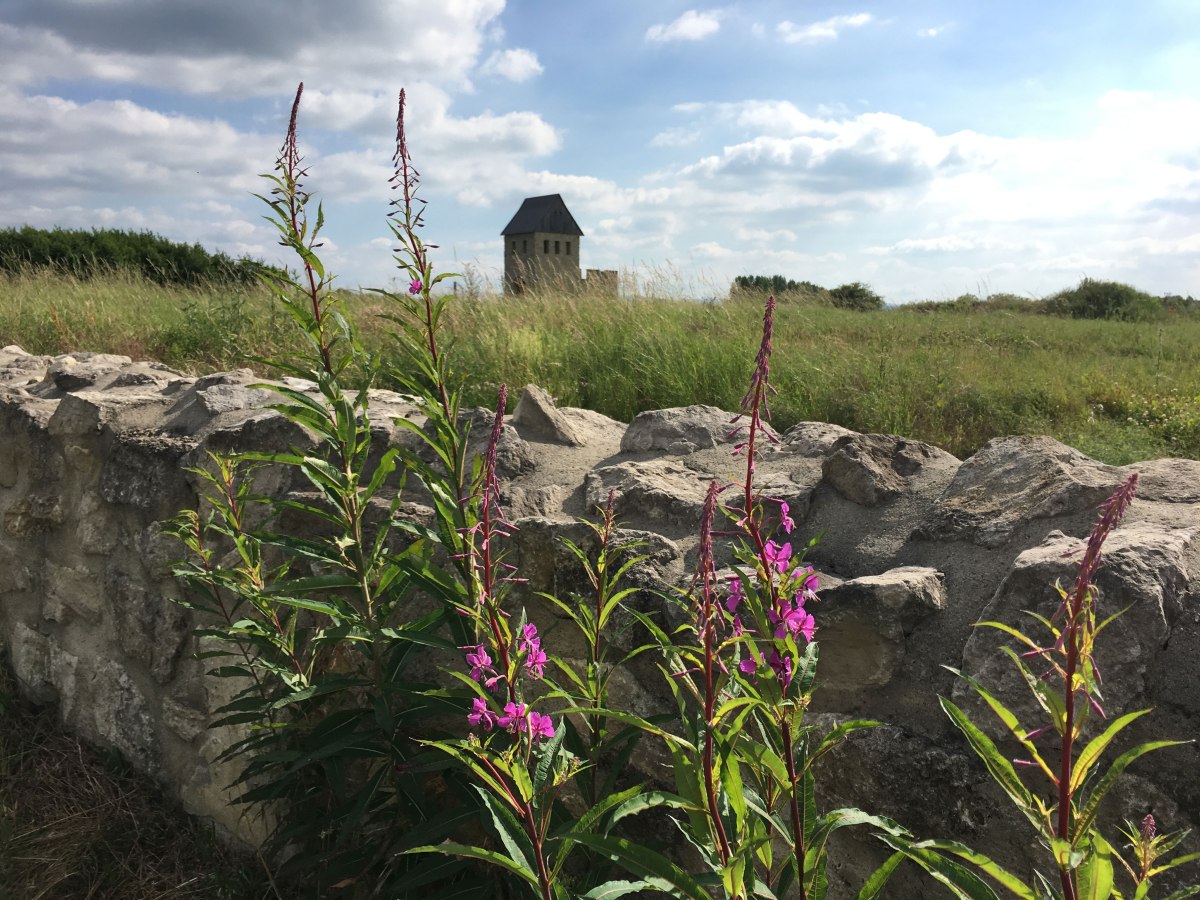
(1075, 781)
(318, 633)
(761, 285)
(856, 296)
(1095, 299)
(87, 254)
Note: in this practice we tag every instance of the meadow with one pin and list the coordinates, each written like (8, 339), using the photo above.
(952, 375)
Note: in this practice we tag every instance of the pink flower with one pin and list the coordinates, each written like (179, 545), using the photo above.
(481, 716)
(795, 620)
(531, 645)
(540, 726)
(783, 668)
(736, 595)
(479, 661)
(777, 556)
(514, 718)
(535, 663)
(811, 581)
(785, 519)
(748, 666)
(415, 286)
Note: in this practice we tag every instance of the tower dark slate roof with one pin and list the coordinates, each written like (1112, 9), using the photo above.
(548, 214)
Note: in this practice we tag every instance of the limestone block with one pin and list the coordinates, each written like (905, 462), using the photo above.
(864, 623)
(145, 472)
(72, 591)
(1013, 480)
(34, 515)
(656, 490)
(537, 414)
(870, 469)
(81, 370)
(46, 671)
(681, 430)
(150, 628)
(184, 721)
(113, 709)
(96, 531)
(811, 439)
(1145, 572)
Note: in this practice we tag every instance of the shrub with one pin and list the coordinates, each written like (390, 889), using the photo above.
(857, 296)
(1093, 299)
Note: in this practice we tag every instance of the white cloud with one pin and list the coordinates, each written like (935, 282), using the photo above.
(764, 235)
(825, 30)
(691, 26)
(933, 31)
(516, 65)
(675, 137)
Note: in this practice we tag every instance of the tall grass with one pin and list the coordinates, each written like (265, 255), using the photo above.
(1120, 391)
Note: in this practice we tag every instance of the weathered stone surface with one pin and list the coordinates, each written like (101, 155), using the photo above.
(81, 370)
(1015, 479)
(1145, 573)
(865, 622)
(679, 430)
(655, 490)
(88, 477)
(33, 515)
(814, 439)
(537, 413)
(870, 469)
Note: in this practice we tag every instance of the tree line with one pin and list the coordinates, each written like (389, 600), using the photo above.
(88, 253)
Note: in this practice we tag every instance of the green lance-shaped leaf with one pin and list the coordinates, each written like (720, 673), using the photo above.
(1091, 807)
(654, 868)
(611, 890)
(512, 836)
(1092, 752)
(961, 881)
(1001, 769)
(872, 888)
(984, 863)
(1096, 871)
(549, 753)
(1008, 718)
(489, 856)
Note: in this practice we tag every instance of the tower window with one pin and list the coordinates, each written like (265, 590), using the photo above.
(524, 245)
(568, 248)
(556, 243)
(545, 246)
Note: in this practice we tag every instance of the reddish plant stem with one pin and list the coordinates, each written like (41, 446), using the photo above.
(292, 173)
(707, 626)
(1078, 618)
(798, 844)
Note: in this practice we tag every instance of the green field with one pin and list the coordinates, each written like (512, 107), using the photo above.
(1119, 391)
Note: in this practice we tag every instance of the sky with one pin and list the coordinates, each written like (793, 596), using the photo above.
(928, 148)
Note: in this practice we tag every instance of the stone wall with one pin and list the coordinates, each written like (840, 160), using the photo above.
(916, 547)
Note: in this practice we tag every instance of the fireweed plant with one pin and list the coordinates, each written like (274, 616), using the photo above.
(1063, 676)
(742, 669)
(603, 751)
(317, 623)
(319, 631)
